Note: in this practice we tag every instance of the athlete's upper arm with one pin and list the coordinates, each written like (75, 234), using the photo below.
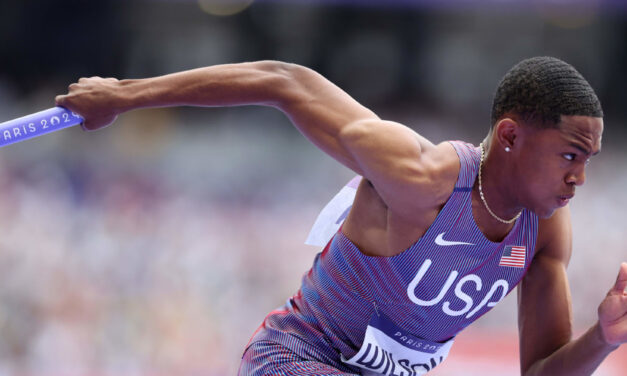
(408, 172)
(392, 156)
(544, 303)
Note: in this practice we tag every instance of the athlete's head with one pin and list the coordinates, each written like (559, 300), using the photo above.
(541, 89)
(549, 121)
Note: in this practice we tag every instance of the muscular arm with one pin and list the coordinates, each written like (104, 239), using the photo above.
(317, 107)
(544, 311)
(389, 154)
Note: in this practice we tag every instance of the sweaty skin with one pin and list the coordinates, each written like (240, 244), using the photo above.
(407, 180)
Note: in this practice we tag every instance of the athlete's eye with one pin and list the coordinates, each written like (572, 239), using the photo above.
(569, 156)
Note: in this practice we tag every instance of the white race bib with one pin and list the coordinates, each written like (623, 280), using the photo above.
(390, 350)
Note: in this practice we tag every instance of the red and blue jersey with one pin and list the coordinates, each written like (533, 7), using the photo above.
(447, 279)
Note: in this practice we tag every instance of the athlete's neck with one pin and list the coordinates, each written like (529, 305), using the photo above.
(498, 184)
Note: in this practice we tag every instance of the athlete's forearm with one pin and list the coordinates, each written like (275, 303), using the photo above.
(314, 104)
(263, 83)
(101, 100)
(578, 357)
(318, 108)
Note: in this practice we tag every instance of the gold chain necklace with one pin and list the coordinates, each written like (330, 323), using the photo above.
(483, 198)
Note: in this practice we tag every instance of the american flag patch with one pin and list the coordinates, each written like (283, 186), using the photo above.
(514, 256)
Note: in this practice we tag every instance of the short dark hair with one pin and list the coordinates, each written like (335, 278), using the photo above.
(541, 89)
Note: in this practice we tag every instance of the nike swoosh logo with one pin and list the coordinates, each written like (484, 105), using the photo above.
(440, 241)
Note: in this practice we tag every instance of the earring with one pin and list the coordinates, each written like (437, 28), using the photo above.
(507, 149)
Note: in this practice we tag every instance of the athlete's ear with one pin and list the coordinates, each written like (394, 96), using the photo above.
(507, 133)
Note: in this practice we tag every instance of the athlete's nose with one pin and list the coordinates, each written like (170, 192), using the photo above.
(577, 176)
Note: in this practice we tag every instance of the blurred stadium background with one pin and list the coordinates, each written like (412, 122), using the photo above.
(157, 246)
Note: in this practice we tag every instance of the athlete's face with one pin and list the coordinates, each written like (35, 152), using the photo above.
(553, 161)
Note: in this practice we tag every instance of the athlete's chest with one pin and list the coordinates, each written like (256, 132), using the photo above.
(442, 282)
(448, 271)
(377, 231)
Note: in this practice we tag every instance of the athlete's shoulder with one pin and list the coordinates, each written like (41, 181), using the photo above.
(443, 162)
(440, 168)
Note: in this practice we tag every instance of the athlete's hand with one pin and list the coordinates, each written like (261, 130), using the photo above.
(95, 99)
(613, 311)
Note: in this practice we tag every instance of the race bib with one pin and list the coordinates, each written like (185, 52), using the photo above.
(332, 216)
(390, 350)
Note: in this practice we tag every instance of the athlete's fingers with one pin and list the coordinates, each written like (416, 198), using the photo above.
(84, 79)
(59, 99)
(63, 101)
(621, 280)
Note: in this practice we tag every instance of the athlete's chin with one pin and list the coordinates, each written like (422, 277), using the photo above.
(545, 212)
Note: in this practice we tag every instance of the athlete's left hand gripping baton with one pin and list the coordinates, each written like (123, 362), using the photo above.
(37, 124)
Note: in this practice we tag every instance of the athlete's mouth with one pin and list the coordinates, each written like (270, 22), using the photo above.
(564, 199)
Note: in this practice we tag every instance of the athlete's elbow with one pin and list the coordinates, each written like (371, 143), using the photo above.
(276, 67)
(297, 85)
(283, 82)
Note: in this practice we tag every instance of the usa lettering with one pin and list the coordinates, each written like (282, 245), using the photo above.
(381, 361)
(468, 282)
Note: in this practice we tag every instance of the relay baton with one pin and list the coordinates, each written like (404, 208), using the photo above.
(37, 124)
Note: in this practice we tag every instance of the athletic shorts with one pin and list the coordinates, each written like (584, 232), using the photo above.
(287, 344)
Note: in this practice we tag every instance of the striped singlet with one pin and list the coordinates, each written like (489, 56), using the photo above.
(431, 291)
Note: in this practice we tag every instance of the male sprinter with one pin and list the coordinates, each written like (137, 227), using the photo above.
(437, 234)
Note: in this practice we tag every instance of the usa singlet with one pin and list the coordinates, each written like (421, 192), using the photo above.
(395, 315)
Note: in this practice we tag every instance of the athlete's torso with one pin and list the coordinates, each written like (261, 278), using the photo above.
(436, 287)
